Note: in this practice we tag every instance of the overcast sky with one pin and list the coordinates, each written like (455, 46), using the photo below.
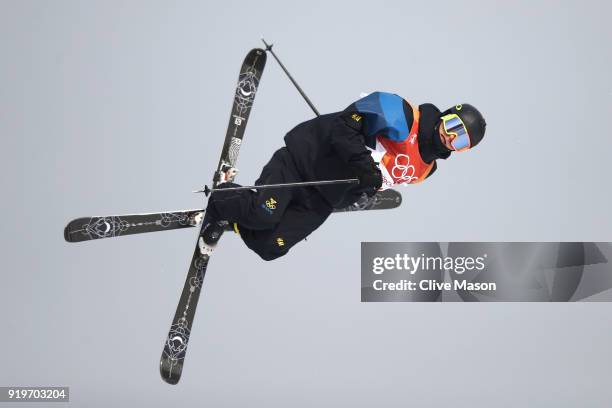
(110, 107)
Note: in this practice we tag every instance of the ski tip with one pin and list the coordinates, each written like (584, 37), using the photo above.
(170, 380)
(397, 196)
(67, 236)
(167, 375)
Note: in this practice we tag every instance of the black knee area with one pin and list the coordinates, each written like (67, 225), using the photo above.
(264, 244)
(269, 254)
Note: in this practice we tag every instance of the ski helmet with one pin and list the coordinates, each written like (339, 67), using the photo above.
(470, 118)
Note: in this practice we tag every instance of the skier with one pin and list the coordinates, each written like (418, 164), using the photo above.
(381, 139)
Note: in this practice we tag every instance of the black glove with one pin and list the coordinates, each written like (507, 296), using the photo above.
(371, 180)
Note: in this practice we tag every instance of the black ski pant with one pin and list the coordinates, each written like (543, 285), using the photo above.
(271, 221)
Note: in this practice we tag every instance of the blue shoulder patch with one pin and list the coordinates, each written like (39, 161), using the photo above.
(384, 113)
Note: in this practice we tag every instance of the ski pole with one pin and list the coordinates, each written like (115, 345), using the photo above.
(206, 190)
(269, 48)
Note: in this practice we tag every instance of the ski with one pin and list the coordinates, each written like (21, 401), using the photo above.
(175, 347)
(111, 226)
(382, 200)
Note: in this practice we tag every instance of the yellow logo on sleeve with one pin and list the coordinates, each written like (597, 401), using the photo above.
(280, 242)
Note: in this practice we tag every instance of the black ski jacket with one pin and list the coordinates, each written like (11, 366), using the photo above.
(331, 147)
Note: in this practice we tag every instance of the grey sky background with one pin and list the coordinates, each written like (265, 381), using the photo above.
(110, 107)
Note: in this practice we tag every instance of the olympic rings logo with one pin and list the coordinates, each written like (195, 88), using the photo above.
(403, 170)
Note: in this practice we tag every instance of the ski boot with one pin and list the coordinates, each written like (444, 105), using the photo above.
(212, 231)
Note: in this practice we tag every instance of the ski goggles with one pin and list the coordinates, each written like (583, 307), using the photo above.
(453, 125)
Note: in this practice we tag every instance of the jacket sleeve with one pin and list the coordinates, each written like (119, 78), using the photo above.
(349, 143)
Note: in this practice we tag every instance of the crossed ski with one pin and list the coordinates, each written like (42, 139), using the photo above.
(92, 228)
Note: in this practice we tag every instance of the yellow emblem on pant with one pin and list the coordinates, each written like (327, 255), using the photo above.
(280, 242)
(356, 117)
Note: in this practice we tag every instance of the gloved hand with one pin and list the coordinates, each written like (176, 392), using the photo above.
(371, 180)
(227, 174)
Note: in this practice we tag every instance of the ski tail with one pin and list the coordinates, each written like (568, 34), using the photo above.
(382, 200)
